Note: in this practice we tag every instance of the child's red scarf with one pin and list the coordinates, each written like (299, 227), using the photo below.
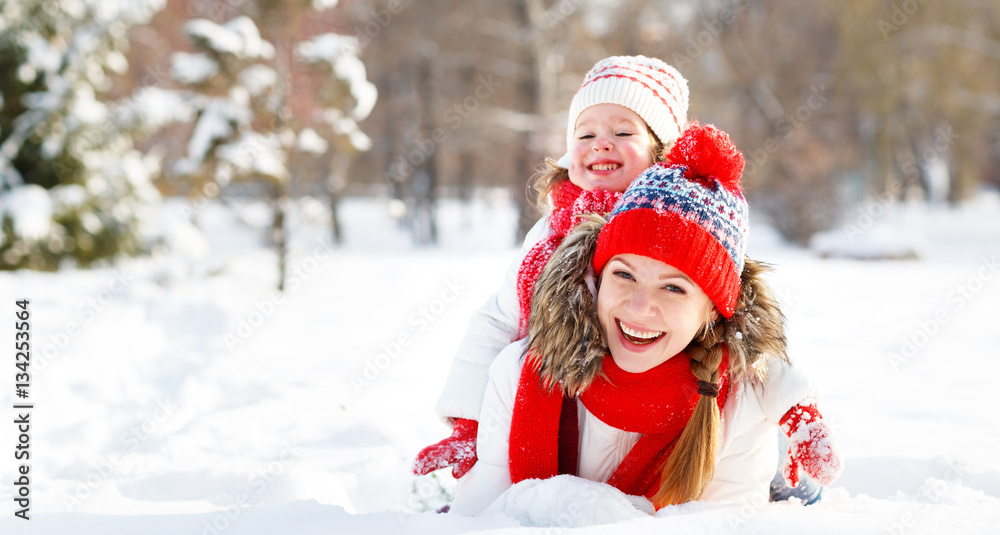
(657, 403)
(569, 202)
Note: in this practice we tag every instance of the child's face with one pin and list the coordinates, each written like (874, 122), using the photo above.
(649, 310)
(611, 146)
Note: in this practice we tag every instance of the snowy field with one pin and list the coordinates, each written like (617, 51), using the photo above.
(181, 395)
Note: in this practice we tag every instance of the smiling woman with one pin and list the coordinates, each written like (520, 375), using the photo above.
(649, 310)
(673, 407)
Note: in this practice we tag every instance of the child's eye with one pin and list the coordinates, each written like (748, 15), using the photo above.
(623, 134)
(585, 136)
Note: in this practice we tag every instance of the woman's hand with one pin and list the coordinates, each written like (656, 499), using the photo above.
(457, 451)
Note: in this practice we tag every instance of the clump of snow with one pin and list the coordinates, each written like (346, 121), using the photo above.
(218, 120)
(256, 153)
(238, 37)
(340, 52)
(569, 502)
(321, 5)
(258, 79)
(152, 108)
(311, 142)
(347, 126)
(192, 68)
(30, 209)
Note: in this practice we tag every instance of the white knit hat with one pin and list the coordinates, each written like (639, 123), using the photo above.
(649, 87)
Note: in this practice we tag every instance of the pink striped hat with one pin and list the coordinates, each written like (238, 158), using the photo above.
(649, 87)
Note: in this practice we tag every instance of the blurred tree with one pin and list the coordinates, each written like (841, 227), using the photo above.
(245, 132)
(73, 189)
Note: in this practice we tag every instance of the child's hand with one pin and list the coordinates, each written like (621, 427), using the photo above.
(810, 447)
(457, 451)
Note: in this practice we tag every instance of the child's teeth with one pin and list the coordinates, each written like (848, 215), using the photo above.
(605, 167)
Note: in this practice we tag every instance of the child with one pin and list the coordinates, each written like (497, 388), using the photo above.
(659, 387)
(627, 110)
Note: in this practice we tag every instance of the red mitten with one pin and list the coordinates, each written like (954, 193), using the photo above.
(810, 447)
(457, 451)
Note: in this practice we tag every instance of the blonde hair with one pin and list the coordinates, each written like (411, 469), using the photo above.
(691, 464)
(566, 344)
(757, 335)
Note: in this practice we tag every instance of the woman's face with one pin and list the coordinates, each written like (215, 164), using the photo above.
(649, 310)
(611, 146)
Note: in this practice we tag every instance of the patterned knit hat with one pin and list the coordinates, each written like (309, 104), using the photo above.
(689, 214)
(649, 87)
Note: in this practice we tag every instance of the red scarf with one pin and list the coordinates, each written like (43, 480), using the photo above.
(657, 403)
(569, 203)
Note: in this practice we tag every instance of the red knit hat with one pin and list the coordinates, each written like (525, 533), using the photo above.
(689, 214)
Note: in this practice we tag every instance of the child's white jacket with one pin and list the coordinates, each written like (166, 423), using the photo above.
(491, 328)
(747, 458)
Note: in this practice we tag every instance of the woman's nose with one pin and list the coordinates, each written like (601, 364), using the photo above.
(640, 304)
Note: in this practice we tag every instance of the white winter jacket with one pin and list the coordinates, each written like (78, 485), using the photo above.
(746, 462)
(491, 328)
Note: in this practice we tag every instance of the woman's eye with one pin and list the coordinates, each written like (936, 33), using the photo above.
(673, 288)
(623, 274)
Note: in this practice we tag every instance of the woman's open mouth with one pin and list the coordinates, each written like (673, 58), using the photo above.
(638, 337)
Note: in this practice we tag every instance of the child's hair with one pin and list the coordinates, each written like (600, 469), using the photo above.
(551, 173)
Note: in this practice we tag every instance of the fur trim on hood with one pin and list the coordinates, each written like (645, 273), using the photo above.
(566, 343)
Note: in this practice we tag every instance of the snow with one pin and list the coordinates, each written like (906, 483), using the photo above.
(182, 394)
(192, 68)
(254, 153)
(341, 53)
(258, 79)
(216, 123)
(311, 142)
(238, 37)
(30, 210)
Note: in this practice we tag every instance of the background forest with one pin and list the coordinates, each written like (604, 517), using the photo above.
(841, 107)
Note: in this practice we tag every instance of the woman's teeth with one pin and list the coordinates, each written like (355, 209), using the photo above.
(639, 337)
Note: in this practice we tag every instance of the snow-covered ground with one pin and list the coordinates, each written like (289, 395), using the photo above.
(180, 394)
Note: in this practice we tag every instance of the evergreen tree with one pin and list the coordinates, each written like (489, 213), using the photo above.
(72, 186)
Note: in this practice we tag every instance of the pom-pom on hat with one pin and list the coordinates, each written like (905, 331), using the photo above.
(651, 88)
(689, 213)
